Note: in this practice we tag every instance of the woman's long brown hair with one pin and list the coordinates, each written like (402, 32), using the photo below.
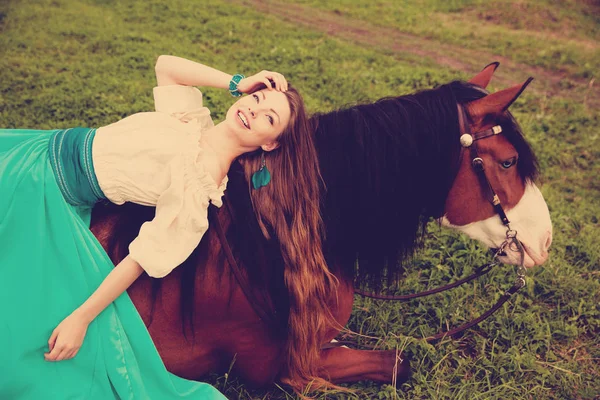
(288, 210)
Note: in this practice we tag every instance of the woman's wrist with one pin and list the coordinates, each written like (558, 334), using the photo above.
(84, 316)
(234, 90)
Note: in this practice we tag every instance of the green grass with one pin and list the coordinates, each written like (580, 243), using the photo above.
(560, 35)
(74, 62)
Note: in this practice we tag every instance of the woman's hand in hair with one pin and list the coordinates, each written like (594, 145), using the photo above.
(263, 78)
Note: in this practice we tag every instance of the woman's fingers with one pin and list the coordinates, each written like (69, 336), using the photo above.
(285, 83)
(63, 354)
(52, 340)
(279, 82)
(276, 83)
(282, 83)
(72, 353)
(53, 355)
(267, 83)
(271, 80)
(57, 349)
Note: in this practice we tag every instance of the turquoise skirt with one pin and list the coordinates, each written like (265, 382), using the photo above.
(50, 263)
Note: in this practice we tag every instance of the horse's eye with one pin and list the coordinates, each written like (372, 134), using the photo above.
(506, 164)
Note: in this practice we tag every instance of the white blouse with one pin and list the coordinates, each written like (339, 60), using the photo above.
(152, 158)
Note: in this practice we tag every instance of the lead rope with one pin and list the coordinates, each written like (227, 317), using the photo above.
(511, 238)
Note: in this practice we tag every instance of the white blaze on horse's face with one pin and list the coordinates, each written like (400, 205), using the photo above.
(530, 218)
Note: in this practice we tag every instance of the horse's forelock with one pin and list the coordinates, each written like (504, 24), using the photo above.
(528, 165)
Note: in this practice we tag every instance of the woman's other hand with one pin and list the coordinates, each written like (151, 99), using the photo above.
(252, 83)
(68, 336)
(66, 339)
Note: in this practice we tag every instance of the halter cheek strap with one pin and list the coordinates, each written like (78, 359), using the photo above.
(468, 140)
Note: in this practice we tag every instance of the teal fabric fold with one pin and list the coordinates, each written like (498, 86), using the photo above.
(50, 263)
(70, 152)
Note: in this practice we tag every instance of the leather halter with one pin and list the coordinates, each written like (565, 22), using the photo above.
(468, 140)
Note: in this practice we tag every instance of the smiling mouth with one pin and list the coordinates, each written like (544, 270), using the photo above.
(244, 120)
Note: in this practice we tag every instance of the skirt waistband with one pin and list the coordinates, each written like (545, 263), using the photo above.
(70, 152)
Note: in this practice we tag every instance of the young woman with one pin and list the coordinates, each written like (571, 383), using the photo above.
(59, 290)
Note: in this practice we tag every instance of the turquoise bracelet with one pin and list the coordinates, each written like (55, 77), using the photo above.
(233, 84)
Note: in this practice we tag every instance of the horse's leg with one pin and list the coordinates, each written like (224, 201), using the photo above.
(340, 365)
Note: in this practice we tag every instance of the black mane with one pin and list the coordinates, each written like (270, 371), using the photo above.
(388, 167)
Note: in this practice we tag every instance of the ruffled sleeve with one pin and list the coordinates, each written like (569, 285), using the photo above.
(181, 218)
(183, 103)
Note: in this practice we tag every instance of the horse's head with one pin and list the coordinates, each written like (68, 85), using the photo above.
(495, 159)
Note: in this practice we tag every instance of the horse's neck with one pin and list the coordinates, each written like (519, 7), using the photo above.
(382, 180)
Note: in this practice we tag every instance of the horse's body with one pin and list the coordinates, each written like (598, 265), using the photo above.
(226, 326)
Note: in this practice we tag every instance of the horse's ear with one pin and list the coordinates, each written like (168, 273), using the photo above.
(483, 78)
(495, 103)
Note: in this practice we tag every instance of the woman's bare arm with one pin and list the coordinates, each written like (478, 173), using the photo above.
(115, 283)
(172, 70)
(67, 337)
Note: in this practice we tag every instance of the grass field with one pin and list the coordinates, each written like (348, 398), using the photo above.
(90, 62)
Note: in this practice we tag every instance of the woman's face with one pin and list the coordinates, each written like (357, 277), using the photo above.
(259, 118)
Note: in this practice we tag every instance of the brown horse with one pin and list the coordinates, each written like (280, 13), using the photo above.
(388, 167)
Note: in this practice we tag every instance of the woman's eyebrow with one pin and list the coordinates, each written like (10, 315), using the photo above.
(275, 112)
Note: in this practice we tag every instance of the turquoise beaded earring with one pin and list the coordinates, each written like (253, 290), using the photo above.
(262, 177)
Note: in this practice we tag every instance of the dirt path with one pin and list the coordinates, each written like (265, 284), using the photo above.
(547, 82)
